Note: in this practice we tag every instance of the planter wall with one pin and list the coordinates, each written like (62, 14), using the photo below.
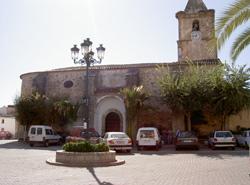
(88, 158)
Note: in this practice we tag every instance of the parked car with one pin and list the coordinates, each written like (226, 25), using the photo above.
(221, 139)
(43, 134)
(186, 139)
(148, 137)
(5, 135)
(76, 131)
(244, 139)
(81, 134)
(118, 141)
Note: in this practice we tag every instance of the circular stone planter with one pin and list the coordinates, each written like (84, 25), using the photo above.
(87, 159)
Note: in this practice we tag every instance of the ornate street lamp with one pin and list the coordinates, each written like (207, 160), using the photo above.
(88, 60)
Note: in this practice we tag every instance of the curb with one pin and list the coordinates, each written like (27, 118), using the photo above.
(52, 161)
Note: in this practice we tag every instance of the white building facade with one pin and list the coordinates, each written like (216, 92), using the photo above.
(8, 121)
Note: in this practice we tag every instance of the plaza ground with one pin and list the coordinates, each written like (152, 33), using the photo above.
(23, 165)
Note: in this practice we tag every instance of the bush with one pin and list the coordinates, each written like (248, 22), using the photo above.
(101, 147)
(84, 146)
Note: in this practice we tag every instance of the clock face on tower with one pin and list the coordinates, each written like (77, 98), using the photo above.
(196, 35)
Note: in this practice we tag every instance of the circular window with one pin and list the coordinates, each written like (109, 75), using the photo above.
(68, 84)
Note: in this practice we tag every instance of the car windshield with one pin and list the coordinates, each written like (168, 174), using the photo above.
(88, 134)
(119, 136)
(223, 134)
(147, 134)
(186, 134)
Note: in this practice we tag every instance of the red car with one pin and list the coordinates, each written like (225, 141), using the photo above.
(78, 133)
(5, 135)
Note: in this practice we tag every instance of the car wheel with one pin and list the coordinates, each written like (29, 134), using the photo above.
(31, 144)
(176, 148)
(128, 151)
(46, 143)
(197, 148)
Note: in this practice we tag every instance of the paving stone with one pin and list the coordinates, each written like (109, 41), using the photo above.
(21, 164)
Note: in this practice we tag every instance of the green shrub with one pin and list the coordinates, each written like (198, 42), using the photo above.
(84, 146)
(101, 147)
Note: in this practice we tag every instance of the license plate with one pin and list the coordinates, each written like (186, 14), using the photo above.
(120, 142)
(187, 141)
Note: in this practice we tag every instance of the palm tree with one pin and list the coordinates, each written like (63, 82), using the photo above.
(65, 111)
(234, 16)
(134, 98)
(231, 94)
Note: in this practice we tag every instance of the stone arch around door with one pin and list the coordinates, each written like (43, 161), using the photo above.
(106, 105)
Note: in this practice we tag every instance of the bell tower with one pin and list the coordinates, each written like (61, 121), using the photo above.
(196, 32)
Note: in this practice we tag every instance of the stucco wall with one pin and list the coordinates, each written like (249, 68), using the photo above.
(9, 124)
(242, 119)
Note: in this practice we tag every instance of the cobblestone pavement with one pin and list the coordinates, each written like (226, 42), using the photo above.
(23, 165)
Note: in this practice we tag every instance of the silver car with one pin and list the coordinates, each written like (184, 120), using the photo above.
(118, 141)
(219, 139)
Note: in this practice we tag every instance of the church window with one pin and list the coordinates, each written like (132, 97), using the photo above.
(196, 26)
(68, 84)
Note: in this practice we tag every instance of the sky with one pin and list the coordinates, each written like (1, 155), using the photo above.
(37, 35)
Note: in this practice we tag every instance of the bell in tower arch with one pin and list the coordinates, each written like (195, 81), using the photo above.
(196, 25)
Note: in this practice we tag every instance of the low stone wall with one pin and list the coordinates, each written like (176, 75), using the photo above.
(85, 159)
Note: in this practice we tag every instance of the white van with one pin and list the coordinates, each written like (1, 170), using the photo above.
(42, 134)
(147, 137)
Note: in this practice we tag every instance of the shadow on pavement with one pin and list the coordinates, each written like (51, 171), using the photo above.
(203, 152)
(14, 144)
(121, 153)
(92, 171)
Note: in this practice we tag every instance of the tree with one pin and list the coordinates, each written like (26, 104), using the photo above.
(230, 94)
(64, 111)
(223, 90)
(39, 109)
(185, 90)
(237, 14)
(134, 98)
(31, 110)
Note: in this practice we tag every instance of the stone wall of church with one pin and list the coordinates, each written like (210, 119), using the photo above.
(102, 82)
(71, 83)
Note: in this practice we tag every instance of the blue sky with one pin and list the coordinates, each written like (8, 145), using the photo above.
(37, 35)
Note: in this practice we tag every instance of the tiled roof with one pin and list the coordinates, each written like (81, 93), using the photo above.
(126, 66)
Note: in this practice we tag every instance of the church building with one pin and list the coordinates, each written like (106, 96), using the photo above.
(106, 105)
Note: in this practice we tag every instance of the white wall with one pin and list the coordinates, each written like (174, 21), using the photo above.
(8, 124)
(3, 110)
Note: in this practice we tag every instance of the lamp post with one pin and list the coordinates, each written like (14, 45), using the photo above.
(88, 60)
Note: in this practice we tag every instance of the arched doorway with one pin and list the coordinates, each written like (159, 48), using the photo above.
(112, 122)
(105, 105)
